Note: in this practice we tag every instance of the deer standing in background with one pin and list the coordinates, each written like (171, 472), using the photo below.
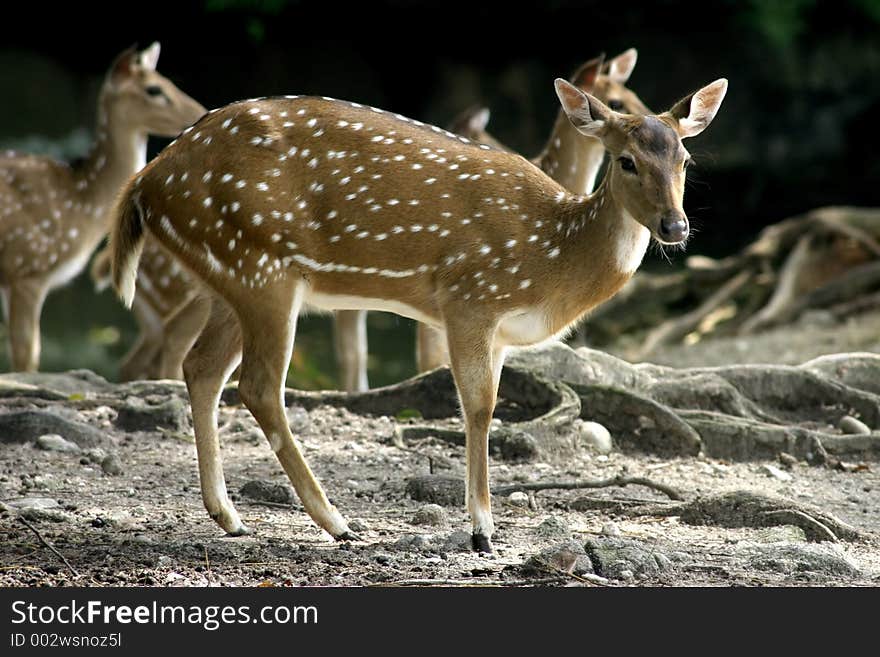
(279, 202)
(52, 216)
(568, 158)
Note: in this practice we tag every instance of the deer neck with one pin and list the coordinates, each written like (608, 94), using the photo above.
(602, 245)
(119, 151)
(570, 158)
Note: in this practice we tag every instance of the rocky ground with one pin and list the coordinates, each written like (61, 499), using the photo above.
(114, 500)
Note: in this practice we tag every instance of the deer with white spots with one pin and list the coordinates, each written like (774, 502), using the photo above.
(280, 203)
(52, 216)
(567, 157)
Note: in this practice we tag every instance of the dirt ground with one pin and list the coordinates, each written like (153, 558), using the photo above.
(146, 526)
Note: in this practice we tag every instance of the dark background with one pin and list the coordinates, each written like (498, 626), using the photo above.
(796, 131)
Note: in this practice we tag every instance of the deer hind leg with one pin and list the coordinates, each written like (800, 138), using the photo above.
(268, 333)
(212, 359)
(350, 337)
(25, 305)
(431, 351)
(180, 330)
(138, 362)
(476, 367)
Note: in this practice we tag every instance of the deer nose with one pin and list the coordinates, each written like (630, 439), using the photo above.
(673, 228)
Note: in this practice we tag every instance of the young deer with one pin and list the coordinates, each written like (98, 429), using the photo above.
(568, 158)
(52, 216)
(277, 202)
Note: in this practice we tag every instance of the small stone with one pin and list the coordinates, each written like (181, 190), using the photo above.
(414, 542)
(610, 529)
(520, 447)
(34, 504)
(849, 424)
(356, 525)
(54, 443)
(266, 491)
(776, 473)
(111, 466)
(787, 460)
(164, 561)
(553, 527)
(595, 435)
(518, 498)
(627, 575)
(95, 454)
(138, 415)
(458, 541)
(436, 489)
(430, 514)
(566, 557)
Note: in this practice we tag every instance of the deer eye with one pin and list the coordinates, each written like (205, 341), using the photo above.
(153, 90)
(627, 164)
(615, 105)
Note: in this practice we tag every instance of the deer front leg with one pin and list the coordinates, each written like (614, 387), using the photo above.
(268, 329)
(214, 356)
(25, 305)
(431, 350)
(476, 367)
(181, 329)
(350, 337)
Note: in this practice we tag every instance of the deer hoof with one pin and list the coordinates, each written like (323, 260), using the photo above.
(481, 543)
(241, 530)
(348, 536)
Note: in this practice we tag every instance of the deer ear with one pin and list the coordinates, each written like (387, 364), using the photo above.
(586, 113)
(621, 67)
(585, 77)
(150, 57)
(478, 120)
(124, 65)
(694, 113)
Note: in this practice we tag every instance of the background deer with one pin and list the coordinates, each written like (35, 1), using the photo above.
(276, 203)
(567, 157)
(52, 216)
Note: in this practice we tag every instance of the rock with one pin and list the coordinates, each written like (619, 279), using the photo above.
(798, 558)
(34, 504)
(138, 415)
(776, 473)
(298, 419)
(787, 460)
(849, 424)
(356, 525)
(518, 498)
(164, 561)
(54, 443)
(40, 508)
(266, 491)
(458, 541)
(552, 527)
(95, 454)
(430, 514)
(595, 435)
(567, 557)
(518, 446)
(412, 542)
(779, 534)
(612, 557)
(610, 529)
(436, 489)
(111, 465)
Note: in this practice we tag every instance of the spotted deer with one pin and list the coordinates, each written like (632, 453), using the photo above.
(277, 203)
(567, 157)
(52, 216)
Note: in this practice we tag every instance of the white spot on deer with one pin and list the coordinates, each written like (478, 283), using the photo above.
(381, 236)
(276, 237)
(313, 163)
(207, 202)
(430, 181)
(169, 180)
(257, 219)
